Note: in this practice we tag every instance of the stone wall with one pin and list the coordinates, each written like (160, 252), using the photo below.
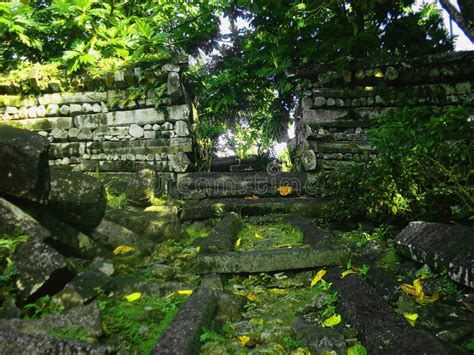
(337, 108)
(134, 119)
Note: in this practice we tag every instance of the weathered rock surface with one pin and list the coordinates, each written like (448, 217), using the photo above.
(112, 235)
(86, 318)
(270, 260)
(312, 234)
(24, 162)
(321, 340)
(13, 218)
(149, 225)
(225, 184)
(380, 329)
(139, 187)
(86, 286)
(77, 199)
(182, 335)
(441, 246)
(38, 222)
(41, 268)
(223, 236)
(194, 210)
(18, 343)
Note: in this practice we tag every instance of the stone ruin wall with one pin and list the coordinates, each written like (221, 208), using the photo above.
(336, 109)
(97, 128)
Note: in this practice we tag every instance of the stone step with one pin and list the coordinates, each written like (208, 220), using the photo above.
(210, 208)
(381, 330)
(182, 335)
(239, 184)
(441, 246)
(270, 260)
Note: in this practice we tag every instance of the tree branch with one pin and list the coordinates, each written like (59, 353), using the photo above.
(462, 21)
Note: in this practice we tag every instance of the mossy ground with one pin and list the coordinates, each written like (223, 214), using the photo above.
(268, 232)
(272, 301)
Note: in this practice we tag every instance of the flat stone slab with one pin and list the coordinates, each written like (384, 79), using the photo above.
(270, 260)
(182, 335)
(441, 246)
(20, 343)
(204, 209)
(381, 330)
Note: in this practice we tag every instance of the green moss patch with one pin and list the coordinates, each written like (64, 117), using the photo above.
(133, 327)
(269, 232)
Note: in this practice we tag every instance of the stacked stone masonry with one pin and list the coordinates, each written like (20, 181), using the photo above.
(337, 108)
(105, 128)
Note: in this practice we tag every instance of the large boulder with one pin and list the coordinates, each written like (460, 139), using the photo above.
(77, 199)
(41, 269)
(24, 162)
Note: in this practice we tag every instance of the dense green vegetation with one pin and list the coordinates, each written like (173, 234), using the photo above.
(423, 170)
(243, 83)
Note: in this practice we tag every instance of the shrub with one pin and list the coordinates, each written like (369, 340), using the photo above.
(423, 169)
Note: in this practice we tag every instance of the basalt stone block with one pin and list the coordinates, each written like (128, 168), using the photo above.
(20, 343)
(41, 124)
(150, 225)
(442, 247)
(13, 218)
(178, 113)
(139, 187)
(270, 260)
(223, 236)
(77, 199)
(42, 269)
(120, 118)
(182, 335)
(321, 116)
(86, 318)
(24, 162)
(380, 329)
(86, 286)
(112, 235)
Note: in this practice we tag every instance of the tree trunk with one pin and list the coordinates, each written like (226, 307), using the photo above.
(463, 20)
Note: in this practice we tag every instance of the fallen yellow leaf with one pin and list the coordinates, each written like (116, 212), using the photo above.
(185, 292)
(278, 291)
(411, 318)
(122, 249)
(243, 339)
(332, 321)
(253, 197)
(318, 277)
(198, 249)
(347, 272)
(133, 297)
(237, 243)
(251, 297)
(284, 190)
(416, 290)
